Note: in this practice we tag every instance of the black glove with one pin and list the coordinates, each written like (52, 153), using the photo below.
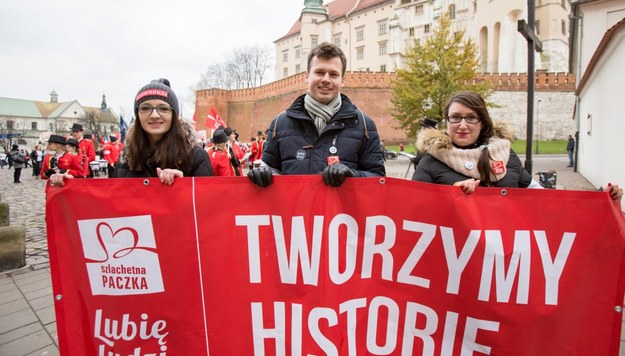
(335, 174)
(261, 176)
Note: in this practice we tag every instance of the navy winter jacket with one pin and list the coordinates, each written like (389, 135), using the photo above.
(294, 147)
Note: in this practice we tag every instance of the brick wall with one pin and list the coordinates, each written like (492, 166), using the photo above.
(250, 110)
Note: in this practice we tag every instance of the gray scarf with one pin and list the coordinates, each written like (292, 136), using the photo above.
(321, 113)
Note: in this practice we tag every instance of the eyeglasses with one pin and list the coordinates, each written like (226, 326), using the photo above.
(161, 109)
(470, 119)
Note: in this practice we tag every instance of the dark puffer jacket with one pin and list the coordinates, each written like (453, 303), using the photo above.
(294, 147)
(432, 170)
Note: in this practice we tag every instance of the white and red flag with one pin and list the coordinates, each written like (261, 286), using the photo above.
(214, 120)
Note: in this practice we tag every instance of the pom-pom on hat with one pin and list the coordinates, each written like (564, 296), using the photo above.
(219, 136)
(157, 89)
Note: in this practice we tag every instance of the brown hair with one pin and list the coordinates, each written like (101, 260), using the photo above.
(171, 151)
(475, 102)
(327, 51)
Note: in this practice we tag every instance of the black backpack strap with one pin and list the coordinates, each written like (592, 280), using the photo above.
(275, 124)
(364, 121)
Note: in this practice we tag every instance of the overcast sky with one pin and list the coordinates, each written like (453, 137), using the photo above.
(84, 48)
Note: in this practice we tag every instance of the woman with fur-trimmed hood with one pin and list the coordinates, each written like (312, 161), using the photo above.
(472, 152)
(159, 144)
(475, 152)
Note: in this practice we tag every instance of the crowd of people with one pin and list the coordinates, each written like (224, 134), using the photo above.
(321, 132)
(63, 155)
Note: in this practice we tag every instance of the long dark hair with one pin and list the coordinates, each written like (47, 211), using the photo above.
(171, 151)
(475, 102)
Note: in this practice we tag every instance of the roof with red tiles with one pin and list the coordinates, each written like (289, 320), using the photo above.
(337, 9)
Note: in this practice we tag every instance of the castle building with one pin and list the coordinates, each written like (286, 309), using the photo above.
(375, 34)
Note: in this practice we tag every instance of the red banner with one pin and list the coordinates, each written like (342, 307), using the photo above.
(216, 265)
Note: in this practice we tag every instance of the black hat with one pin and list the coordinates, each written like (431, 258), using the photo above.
(259, 133)
(428, 122)
(57, 139)
(157, 89)
(228, 131)
(76, 127)
(15, 147)
(112, 138)
(87, 136)
(219, 136)
(71, 141)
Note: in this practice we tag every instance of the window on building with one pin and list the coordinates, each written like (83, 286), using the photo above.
(537, 27)
(382, 28)
(314, 40)
(285, 55)
(285, 72)
(404, 2)
(33, 125)
(10, 125)
(382, 48)
(337, 40)
(563, 3)
(426, 28)
(474, 6)
(360, 53)
(298, 68)
(360, 34)
(411, 32)
(298, 52)
(383, 68)
(452, 11)
(563, 27)
(418, 9)
(50, 127)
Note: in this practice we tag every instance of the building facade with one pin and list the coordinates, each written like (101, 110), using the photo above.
(28, 122)
(599, 54)
(375, 34)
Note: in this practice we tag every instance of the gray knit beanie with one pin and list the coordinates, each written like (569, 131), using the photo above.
(157, 89)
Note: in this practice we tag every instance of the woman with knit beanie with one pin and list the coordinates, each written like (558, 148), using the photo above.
(473, 151)
(159, 144)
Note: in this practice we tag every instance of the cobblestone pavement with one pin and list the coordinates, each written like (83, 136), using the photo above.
(27, 322)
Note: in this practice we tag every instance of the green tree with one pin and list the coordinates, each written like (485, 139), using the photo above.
(443, 65)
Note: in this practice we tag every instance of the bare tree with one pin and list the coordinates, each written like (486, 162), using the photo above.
(10, 133)
(245, 68)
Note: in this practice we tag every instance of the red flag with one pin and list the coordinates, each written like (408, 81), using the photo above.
(194, 122)
(215, 118)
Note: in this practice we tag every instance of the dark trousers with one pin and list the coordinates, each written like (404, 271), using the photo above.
(17, 174)
(36, 168)
(111, 171)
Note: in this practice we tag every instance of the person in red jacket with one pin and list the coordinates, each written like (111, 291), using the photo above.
(110, 153)
(218, 155)
(72, 162)
(257, 147)
(85, 146)
(55, 149)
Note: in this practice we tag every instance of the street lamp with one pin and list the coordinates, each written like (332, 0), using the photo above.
(537, 125)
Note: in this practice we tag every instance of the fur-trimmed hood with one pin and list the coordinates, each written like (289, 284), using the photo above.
(431, 139)
(465, 161)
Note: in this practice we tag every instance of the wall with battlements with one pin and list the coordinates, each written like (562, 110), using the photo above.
(250, 110)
